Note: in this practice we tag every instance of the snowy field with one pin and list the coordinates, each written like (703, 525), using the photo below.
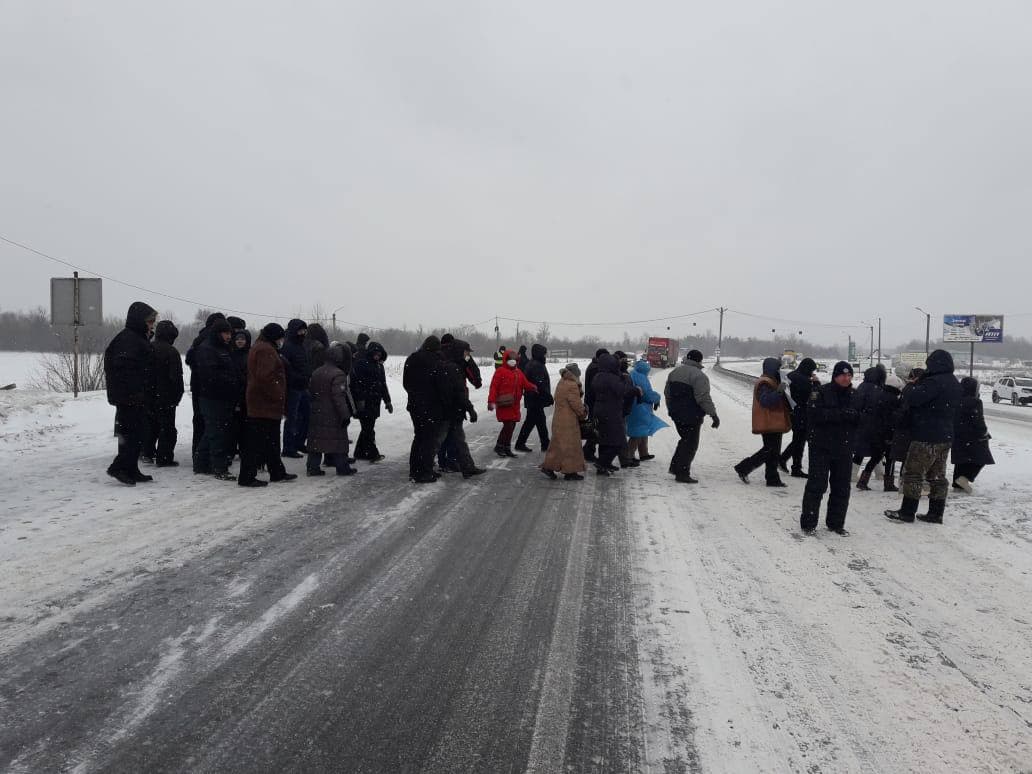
(901, 648)
(18, 368)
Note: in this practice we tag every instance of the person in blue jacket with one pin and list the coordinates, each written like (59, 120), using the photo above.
(643, 422)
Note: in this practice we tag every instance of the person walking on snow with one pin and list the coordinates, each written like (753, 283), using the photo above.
(508, 385)
(458, 406)
(218, 390)
(643, 422)
(536, 401)
(425, 382)
(970, 438)
(565, 454)
(870, 402)
(198, 417)
(167, 391)
(832, 426)
(591, 444)
(332, 409)
(295, 429)
(801, 383)
(688, 401)
(770, 420)
(932, 405)
(369, 388)
(613, 396)
(266, 407)
(128, 361)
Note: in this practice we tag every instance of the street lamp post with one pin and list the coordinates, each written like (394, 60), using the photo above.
(928, 329)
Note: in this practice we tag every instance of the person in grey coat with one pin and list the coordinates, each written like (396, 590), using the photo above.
(332, 409)
(688, 402)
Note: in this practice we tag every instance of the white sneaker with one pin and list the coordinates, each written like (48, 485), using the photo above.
(964, 484)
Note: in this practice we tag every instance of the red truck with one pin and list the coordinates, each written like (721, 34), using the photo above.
(662, 353)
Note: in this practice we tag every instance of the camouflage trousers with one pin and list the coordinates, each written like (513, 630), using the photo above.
(926, 461)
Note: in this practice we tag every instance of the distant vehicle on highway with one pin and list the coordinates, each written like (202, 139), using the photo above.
(1016, 389)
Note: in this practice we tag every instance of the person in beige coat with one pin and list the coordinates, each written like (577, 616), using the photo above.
(565, 454)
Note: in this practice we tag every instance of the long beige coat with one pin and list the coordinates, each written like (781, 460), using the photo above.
(565, 454)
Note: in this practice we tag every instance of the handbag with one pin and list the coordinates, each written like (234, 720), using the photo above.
(505, 401)
(589, 430)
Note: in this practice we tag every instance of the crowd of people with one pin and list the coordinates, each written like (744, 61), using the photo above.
(244, 390)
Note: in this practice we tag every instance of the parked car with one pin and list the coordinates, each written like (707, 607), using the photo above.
(1016, 389)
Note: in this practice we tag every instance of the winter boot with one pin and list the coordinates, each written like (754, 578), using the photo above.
(964, 483)
(510, 453)
(864, 482)
(890, 481)
(522, 447)
(474, 471)
(936, 508)
(783, 464)
(500, 451)
(550, 473)
(799, 473)
(742, 474)
(685, 478)
(906, 513)
(122, 477)
(141, 478)
(573, 477)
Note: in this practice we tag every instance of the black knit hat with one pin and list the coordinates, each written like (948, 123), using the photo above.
(273, 332)
(237, 323)
(841, 367)
(694, 355)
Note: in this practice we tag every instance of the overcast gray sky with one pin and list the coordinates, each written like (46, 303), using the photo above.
(437, 163)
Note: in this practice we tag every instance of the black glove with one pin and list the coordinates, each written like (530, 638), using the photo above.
(390, 408)
(716, 422)
(655, 407)
(472, 415)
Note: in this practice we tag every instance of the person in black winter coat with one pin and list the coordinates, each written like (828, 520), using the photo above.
(295, 358)
(240, 349)
(591, 444)
(369, 388)
(167, 382)
(631, 397)
(889, 409)
(536, 402)
(971, 437)
(128, 361)
(457, 406)
(427, 386)
(198, 417)
(361, 343)
(522, 361)
(218, 390)
(612, 394)
(870, 401)
(236, 324)
(832, 420)
(932, 404)
(801, 383)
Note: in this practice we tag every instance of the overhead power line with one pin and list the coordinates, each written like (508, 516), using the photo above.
(607, 324)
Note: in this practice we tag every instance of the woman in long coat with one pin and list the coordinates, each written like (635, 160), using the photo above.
(970, 437)
(504, 398)
(612, 393)
(565, 454)
(332, 409)
(643, 422)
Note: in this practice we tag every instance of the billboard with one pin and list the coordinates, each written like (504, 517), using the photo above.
(973, 328)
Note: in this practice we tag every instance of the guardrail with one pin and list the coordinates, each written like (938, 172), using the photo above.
(749, 379)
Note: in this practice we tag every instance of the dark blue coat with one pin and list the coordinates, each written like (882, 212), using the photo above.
(295, 358)
(933, 401)
(833, 421)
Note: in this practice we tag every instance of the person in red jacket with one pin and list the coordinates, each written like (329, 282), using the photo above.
(505, 397)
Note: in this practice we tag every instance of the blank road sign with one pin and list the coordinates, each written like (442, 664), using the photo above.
(62, 301)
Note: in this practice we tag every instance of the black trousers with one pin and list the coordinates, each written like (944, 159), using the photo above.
(607, 454)
(162, 435)
(766, 457)
(967, 470)
(365, 447)
(261, 447)
(878, 450)
(214, 451)
(796, 446)
(455, 442)
(825, 470)
(684, 455)
(130, 430)
(535, 419)
(428, 435)
(198, 424)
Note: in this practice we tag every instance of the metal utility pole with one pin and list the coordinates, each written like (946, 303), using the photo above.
(720, 333)
(872, 345)
(498, 335)
(971, 362)
(928, 329)
(334, 323)
(879, 341)
(75, 334)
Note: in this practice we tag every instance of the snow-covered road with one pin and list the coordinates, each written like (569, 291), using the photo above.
(508, 623)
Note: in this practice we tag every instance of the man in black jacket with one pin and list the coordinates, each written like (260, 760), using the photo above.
(295, 428)
(425, 382)
(198, 417)
(167, 390)
(931, 406)
(218, 390)
(536, 402)
(458, 406)
(688, 399)
(591, 444)
(801, 383)
(832, 426)
(128, 361)
(369, 388)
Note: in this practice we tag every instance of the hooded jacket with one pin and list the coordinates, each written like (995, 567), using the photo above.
(770, 413)
(425, 382)
(217, 376)
(971, 436)
(369, 382)
(589, 378)
(456, 401)
(332, 403)
(800, 387)
(832, 420)
(168, 366)
(200, 338)
(612, 392)
(643, 421)
(933, 401)
(293, 352)
(316, 343)
(870, 400)
(266, 381)
(240, 356)
(508, 380)
(128, 359)
(537, 374)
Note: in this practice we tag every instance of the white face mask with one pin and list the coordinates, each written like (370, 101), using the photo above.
(469, 358)
(510, 363)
